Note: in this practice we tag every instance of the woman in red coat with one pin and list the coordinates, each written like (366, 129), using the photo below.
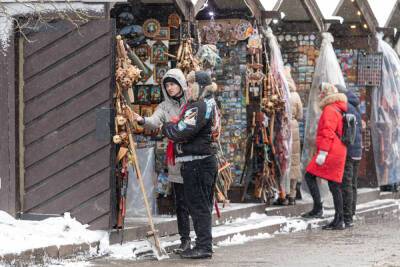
(328, 163)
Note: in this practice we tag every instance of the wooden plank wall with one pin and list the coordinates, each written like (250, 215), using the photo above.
(7, 129)
(68, 76)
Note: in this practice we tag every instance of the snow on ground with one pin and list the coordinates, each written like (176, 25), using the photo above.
(239, 239)
(20, 235)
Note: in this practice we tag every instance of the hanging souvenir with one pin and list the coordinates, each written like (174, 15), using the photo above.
(142, 96)
(306, 37)
(174, 21)
(243, 30)
(312, 37)
(146, 74)
(133, 35)
(159, 71)
(164, 34)
(155, 94)
(158, 53)
(288, 37)
(143, 52)
(281, 38)
(151, 28)
(300, 37)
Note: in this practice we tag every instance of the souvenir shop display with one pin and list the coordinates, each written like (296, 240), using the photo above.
(300, 51)
(327, 70)
(385, 121)
(278, 96)
(254, 74)
(225, 30)
(231, 79)
(370, 69)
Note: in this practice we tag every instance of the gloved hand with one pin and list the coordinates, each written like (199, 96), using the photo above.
(320, 160)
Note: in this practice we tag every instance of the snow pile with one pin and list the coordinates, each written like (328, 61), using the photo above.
(20, 235)
(239, 239)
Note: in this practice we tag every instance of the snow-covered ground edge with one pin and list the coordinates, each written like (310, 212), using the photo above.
(21, 235)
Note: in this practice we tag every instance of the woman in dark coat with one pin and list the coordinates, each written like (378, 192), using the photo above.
(328, 163)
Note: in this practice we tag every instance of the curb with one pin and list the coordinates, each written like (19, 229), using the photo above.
(40, 256)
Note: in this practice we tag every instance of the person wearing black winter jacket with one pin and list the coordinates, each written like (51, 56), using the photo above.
(194, 137)
(354, 154)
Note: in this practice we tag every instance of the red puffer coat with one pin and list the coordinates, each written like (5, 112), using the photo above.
(330, 126)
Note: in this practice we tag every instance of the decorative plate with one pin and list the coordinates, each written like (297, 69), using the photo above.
(300, 37)
(312, 37)
(281, 38)
(288, 37)
(151, 28)
(243, 30)
(306, 38)
(174, 21)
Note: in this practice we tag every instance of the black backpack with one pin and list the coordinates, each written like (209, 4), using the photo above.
(349, 128)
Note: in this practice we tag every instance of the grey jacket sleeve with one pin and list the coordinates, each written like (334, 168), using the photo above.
(157, 119)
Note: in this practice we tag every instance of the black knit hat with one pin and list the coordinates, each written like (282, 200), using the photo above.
(170, 80)
(203, 78)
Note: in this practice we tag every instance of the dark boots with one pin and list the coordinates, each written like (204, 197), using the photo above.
(338, 221)
(317, 210)
(185, 245)
(196, 253)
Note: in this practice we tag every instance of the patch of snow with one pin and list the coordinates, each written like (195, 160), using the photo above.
(20, 235)
(374, 203)
(239, 239)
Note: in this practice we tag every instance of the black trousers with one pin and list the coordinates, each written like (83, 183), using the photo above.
(349, 188)
(336, 190)
(182, 211)
(199, 181)
(311, 181)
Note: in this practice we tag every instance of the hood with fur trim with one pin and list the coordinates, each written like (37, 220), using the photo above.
(332, 98)
(197, 91)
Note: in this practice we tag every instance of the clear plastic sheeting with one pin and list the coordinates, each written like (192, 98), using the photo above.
(385, 119)
(134, 201)
(283, 135)
(327, 70)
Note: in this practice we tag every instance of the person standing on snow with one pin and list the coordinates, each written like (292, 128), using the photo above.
(354, 154)
(297, 115)
(328, 163)
(195, 136)
(174, 88)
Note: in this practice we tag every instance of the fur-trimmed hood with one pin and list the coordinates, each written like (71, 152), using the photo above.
(332, 98)
(197, 91)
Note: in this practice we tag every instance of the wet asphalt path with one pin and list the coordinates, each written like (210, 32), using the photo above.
(373, 243)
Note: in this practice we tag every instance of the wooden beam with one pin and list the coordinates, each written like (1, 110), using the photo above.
(184, 8)
(315, 13)
(368, 15)
(255, 7)
(396, 9)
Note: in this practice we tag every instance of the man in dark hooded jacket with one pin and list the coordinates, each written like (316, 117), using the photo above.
(195, 146)
(354, 154)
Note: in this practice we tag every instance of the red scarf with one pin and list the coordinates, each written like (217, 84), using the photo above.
(170, 159)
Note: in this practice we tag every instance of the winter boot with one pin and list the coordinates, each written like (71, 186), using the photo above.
(280, 202)
(337, 223)
(185, 245)
(196, 253)
(331, 224)
(291, 201)
(316, 212)
(298, 191)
